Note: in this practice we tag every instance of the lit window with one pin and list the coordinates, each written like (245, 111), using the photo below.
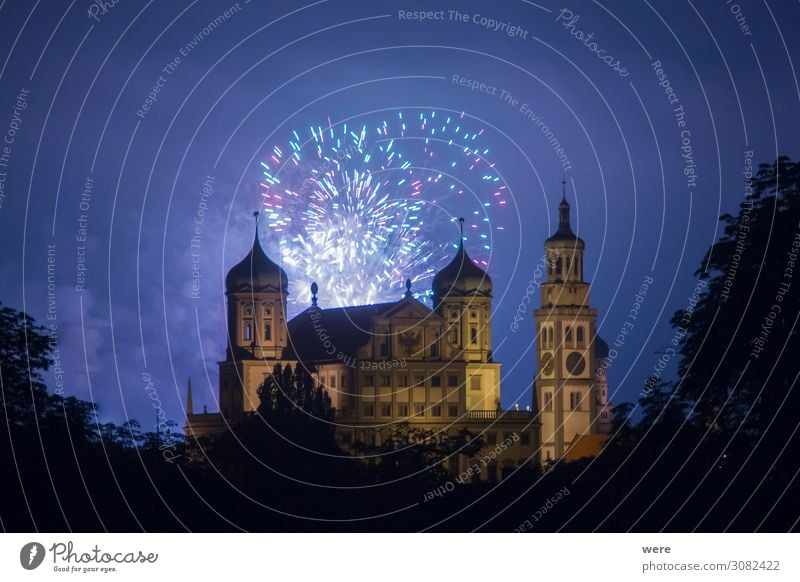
(248, 331)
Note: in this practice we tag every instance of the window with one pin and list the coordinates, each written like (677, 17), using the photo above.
(558, 266)
(436, 410)
(332, 382)
(267, 332)
(548, 401)
(419, 410)
(454, 336)
(344, 381)
(384, 349)
(473, 314)
(402, 410)
(491, 438)
(419, 380)
(386, 409)
(369, 410)
(386, 380)
(403, 380)
(508, 436)
(435, 348)
(452, 410)
(452, 381)
(475, 383)
(436, 381)
(575, 400)
(525, 438)
(579, 334)
(369, 380)
(473, 335)
(248, 331)
(569, 335)
(550, 336)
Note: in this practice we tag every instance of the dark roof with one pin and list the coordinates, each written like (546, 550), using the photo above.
(462, 276)
(564, 232)
(318, 335)
(256, 272)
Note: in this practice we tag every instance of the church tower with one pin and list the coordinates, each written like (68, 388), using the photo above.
(565, 332)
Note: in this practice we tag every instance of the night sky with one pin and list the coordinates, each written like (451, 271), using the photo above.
(658, 109)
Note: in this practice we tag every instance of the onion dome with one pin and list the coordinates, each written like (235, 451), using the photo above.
(461, 277)
(564, 235)
(256, 272)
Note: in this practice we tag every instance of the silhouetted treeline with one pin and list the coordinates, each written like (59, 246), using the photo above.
(715, 449)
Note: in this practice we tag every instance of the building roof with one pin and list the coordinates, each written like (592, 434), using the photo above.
(256, 272)
(318, 335)
(461, 277)
(564, 233)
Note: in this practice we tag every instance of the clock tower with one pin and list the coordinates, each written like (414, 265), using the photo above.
(565, 334)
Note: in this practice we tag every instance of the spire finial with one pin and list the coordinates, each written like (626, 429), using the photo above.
(564, 187)
(408, 289)
(461, 226)
(314, 289)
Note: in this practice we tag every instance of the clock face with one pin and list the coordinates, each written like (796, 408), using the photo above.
(546, 364)
(575, 363)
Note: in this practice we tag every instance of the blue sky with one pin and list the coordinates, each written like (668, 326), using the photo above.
(244, 83)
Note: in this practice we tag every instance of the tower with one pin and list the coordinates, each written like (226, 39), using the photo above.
(256, 290)
(462, 294)
(565, 332)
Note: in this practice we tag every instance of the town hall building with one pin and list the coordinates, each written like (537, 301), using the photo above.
(430, 368)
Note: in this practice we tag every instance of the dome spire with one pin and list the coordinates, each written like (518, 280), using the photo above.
(563, 208)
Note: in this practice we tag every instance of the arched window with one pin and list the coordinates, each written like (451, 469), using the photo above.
(473, 335)
(248, 331)
(267, 332)
(550, 336)
(558, 266)
(569, 335)
(566, 266)
(580, 337)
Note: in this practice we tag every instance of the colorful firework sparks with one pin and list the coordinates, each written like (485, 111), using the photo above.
(360, 210)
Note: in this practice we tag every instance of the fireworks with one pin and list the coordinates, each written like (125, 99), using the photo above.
(361, 209)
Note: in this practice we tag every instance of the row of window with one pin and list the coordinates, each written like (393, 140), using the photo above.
(370, 438)
(575, 401)
(559, 266)
(402, 381)
(578, 339)
(248, 332)
(385, 410)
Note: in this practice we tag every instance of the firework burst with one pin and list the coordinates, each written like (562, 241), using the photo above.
(361, 210)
